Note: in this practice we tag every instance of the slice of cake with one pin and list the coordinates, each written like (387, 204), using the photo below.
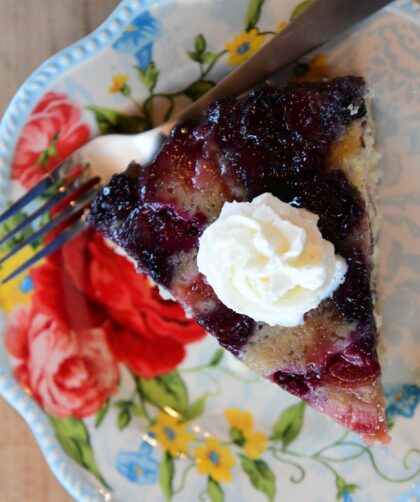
(309, 145)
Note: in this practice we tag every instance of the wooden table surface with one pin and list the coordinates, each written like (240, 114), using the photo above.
(30, 32)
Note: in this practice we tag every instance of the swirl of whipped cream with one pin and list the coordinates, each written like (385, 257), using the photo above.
(268, 260)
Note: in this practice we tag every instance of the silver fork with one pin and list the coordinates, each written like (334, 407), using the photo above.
(320, 23)
(70, 195)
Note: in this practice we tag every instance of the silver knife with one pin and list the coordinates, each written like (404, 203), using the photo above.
(318, 24)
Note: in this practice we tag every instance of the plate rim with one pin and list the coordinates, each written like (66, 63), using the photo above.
(11, 124)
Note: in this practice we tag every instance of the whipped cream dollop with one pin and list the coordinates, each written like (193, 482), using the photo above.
(268, 260)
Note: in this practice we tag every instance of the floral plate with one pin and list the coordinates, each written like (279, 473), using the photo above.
(127, 398)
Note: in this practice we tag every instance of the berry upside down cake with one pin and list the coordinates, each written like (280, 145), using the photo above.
(260, 219)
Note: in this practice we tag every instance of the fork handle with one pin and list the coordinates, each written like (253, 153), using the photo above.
(320, 23)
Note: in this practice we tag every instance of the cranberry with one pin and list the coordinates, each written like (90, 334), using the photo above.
(353, 367)
(353, 298)
(116, 201)
(300, 385)
(232, 330)
(293, 383)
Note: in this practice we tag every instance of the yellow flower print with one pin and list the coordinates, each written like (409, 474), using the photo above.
(171, 434)
(215, 460)
(241, 424)
(318, 69)
(281, 26)
(319, 65)
(119, 83)
(255, 444)
(243, 46)
(240, 420)
(18, 290)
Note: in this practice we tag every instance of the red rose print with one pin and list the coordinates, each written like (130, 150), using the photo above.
(145, 357)
(58, 296)
(69, 372)
(128, 297)
(90, 308)
(87, 284)
(53, 131)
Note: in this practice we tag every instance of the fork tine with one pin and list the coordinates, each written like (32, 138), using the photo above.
(26, 199)
(53, 177)
(62, 193)
(68, 212)
(50, 248)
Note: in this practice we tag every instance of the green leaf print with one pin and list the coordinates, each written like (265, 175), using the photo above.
(343, 487)
(19, 237)
(300, 9)
(217, 357)
(288, 426)
(127, 408)
(253, 14)
(122, 404)
(137, 410)
(206, 58)
(165, 391)
(214, 491)
(196, 409)
(200, 44)
(99, 417)
(74, 439)
(166, 475)
(198, 88)
(199, 54)
(209, 57)
(198, 58)
(112, 121)
(237, 436)
(260, 475)
(123, 419)
(149, 76)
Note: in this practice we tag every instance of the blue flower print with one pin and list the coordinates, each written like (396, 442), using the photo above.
(411, 495)
(346, 497)
(139, 37)
(402, 400)
(26, 285)
(138, 466)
